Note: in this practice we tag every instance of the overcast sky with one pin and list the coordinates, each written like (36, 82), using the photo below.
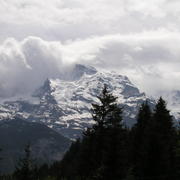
(137, 38)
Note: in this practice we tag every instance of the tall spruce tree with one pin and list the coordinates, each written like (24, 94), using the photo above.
(114, 156)
(139, 140)
(94, 138)
(161, 145)
(102, 152)
(106, 140)
(107, 113)
(178, 152)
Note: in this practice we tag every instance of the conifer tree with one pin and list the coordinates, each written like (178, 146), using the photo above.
(107, 113)
(102, 152)
(93, 143)
(178, 152)
(108, 139)
(139, 140)
(115, 159)
(161, 144)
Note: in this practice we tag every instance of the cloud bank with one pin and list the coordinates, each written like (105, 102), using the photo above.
(44, 38)
(72, 19)
(149, 59)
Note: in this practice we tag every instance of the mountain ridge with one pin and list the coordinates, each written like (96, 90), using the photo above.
(47, 145)
(64, 105)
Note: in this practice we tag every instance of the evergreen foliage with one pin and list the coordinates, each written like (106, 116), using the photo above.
(139, 140)
(178, 152)
(162, 143)
(154, 143)
(102, 153)
(109, 151)
(150, 150)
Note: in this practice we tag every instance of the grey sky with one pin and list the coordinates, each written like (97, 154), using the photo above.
(140, 39)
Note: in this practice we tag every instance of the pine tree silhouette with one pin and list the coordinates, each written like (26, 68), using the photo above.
(161, 144)
(139, 134)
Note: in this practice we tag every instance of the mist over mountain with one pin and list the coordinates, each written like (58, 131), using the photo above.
(27, 63)
(64, 103)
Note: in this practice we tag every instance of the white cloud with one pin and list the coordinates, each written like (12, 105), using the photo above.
(25, 65)
(138, 38)
(71, 19)
(150, 59)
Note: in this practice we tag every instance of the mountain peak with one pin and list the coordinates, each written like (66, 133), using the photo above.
(79, 70)
(85, 69)
(46, 88)
(65, 103)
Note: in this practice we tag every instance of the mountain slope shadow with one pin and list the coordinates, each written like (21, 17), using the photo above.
(46, 144)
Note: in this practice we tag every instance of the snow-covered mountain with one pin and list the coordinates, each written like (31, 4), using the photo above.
(64, 104)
